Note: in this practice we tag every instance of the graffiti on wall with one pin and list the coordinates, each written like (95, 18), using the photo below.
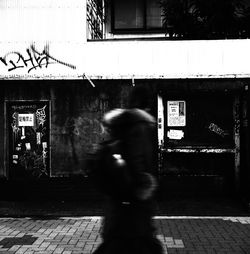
(82, 126)
(41, 115)
(216, 129)
(14, 123)
(31, 60)
(94, 104)
(34, 163)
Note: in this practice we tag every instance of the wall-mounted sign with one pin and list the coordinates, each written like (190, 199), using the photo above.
(25, 119)
(175, 134)
(176, 113)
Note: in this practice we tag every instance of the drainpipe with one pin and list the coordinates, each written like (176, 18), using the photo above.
(246, 140)
(103, 19)
(160, 131)
(237, 126)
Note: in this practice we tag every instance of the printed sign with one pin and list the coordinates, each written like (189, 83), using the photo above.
(25, 119)
(176, 113)
(175, 134)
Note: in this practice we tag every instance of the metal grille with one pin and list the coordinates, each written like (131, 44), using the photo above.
(95, 19)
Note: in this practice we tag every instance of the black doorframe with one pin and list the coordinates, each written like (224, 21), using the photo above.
(7, 128)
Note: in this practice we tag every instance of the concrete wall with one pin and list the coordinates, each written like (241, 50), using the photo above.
(76, 112)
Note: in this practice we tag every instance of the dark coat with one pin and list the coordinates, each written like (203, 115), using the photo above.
(130, 219)
(134, 129)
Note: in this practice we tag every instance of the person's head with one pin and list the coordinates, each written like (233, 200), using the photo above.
(110, 122)
(139, 98)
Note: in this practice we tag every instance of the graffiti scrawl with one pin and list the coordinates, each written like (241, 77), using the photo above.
(14, 123)
(32, 59)
(41, 115)
(216, 129)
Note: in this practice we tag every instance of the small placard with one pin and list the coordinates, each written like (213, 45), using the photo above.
(175, 134)
(28, 146)
(44, 144)
(25, 119)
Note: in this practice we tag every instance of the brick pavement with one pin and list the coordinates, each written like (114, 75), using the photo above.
(74, 235)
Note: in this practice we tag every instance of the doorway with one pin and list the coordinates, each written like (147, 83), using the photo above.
(198, 136)
(27, 139)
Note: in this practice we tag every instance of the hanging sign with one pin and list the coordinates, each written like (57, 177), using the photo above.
(25, 119)
(176, 113)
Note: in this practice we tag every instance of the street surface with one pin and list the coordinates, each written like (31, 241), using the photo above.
(75, 235)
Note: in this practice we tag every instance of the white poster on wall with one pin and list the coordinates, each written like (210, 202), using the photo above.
(176, 113)
(26, 119)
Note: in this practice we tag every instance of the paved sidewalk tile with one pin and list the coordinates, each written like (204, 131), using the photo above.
(75, 235)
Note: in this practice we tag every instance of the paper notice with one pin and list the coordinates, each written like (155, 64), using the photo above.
(176, 113)
(28, 146)
(44, 145)
(175, 134)
(25, 119)
(38, 138)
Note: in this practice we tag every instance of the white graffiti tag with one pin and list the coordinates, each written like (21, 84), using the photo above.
(14, 123)
(216, 129)
(41, 115)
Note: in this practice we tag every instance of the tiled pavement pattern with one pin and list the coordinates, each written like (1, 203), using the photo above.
(72, 235)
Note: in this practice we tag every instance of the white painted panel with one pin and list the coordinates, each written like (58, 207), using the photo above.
(60, 27)
(168, 59)
(46, 20)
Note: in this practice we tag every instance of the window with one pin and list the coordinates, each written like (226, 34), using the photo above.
(136, 15)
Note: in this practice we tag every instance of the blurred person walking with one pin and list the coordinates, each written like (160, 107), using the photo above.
(125, 175)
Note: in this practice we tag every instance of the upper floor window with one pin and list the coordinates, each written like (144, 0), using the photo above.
(136, 15)
(95, 19)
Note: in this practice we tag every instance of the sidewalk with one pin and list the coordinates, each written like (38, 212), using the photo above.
(196, 225)
(75, 235)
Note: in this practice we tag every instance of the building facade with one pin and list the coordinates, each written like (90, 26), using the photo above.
(74, 60)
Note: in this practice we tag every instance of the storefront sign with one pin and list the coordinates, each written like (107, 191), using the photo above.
(176, 113)
(25, 119)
